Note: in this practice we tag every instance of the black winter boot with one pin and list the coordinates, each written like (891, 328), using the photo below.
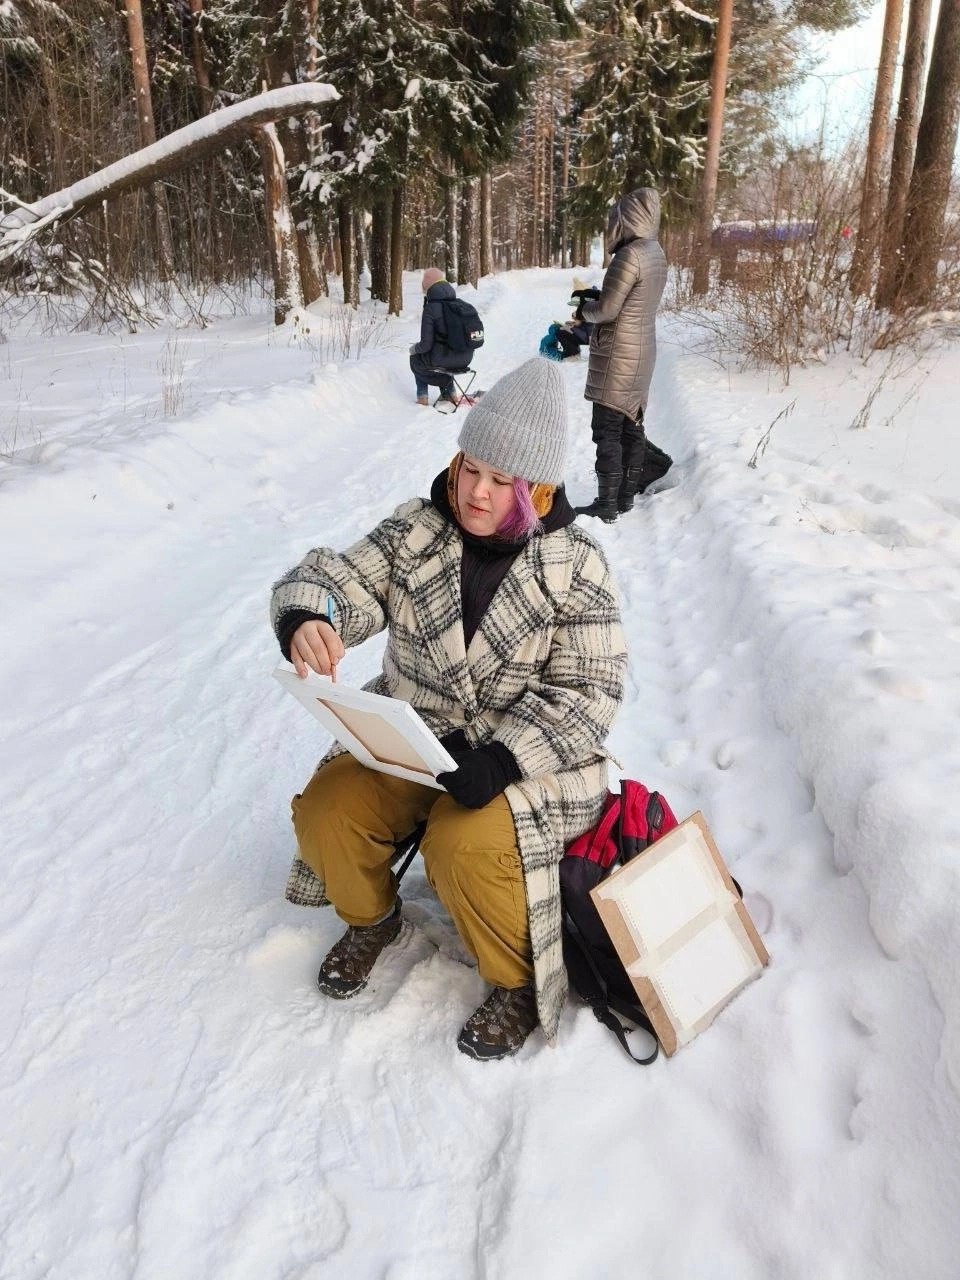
(656, 463)
(629, 485)
(347, 964)
(605, 504)
(500, 1025)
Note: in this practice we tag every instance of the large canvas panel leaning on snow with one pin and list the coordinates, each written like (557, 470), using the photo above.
(383, 733)
(679, 926)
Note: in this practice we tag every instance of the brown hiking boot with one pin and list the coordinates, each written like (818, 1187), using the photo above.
(501, 1024)
(346, 966)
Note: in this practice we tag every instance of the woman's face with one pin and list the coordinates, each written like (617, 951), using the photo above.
(485, 497)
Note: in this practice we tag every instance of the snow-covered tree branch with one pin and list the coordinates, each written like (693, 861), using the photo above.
(186, 146)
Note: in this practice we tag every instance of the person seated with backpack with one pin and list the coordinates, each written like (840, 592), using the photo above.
(446, 342)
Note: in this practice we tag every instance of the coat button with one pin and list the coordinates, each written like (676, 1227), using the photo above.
(470, 716)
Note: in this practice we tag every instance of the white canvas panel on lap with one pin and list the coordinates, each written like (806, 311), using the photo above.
(681, 930)
(382, 733)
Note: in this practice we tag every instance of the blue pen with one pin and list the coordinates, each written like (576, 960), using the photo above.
(330, 617)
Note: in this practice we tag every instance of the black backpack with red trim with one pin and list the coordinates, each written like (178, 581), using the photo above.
(630, 823)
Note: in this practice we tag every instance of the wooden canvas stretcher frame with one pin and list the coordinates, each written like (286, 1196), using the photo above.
(383, 733)
(681, 930)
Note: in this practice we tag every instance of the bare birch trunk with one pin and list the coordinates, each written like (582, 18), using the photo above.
(868, 231)
(904, 145)
(280, 231)
(711, 163)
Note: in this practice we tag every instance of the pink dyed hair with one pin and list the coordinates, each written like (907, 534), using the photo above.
(523, 521)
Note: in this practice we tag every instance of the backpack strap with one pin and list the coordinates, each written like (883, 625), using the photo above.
(594, 991)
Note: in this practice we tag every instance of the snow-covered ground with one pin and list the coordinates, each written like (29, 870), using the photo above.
(178, 1100)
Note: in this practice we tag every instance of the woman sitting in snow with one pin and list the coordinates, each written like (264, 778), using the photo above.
(504, 633)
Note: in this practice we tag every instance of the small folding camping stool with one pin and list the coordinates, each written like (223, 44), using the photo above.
(461, 389)
(405, 850)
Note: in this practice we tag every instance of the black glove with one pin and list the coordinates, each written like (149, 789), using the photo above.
(581, 296)
(456, 743)
(481, 773)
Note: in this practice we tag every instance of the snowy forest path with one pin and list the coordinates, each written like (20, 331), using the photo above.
(167, 1056)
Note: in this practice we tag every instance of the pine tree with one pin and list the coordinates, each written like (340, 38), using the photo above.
(640, 111)
(26, 28)
(497, 46)
(19, 47)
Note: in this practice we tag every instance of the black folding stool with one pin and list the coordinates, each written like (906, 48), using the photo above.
(461, 387)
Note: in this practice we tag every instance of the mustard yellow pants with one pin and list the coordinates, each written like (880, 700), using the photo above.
(347, 820)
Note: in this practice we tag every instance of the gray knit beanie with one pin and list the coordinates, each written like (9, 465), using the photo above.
(519, 426)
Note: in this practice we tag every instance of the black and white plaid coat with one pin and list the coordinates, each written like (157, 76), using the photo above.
(543, 675)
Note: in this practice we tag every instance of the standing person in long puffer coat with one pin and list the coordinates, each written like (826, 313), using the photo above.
(623, 351)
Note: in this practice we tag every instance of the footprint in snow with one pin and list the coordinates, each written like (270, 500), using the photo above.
(674, 753)
(892, 681)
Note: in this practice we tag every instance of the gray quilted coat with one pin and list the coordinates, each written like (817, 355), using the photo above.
(623, 346)
(543, 674)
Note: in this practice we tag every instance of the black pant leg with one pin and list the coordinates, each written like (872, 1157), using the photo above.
(607, 429)
(569, 345)
(421, 368)
(633, 443)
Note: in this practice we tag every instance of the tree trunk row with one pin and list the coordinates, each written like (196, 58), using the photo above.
(868, 231)
(906, 232)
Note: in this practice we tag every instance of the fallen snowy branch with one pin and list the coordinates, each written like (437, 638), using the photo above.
(183, 147)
